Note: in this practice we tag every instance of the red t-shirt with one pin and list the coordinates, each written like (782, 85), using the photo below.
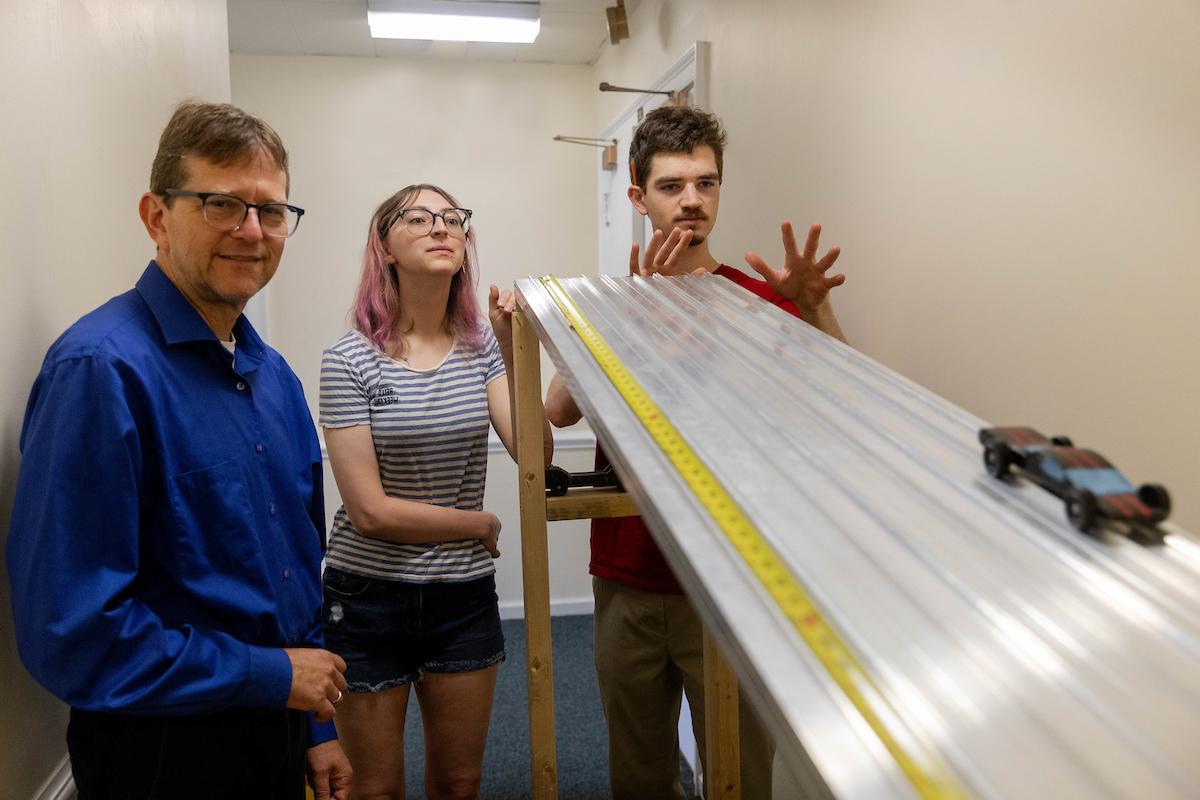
(622, 547)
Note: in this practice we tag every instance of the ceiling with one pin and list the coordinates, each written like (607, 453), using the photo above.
(573, 32)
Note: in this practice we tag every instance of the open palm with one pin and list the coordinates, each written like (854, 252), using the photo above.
(803, 279)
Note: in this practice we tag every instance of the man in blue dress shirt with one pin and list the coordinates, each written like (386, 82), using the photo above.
(167, 531)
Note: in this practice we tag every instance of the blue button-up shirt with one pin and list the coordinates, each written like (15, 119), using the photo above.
(167, 531)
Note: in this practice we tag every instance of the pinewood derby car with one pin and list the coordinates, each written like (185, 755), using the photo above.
(1091, 487)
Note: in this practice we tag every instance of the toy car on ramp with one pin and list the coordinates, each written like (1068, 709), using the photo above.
(1091, 487)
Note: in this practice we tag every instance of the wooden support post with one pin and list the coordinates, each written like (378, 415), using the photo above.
(722, 761)
(535, 563)
(721, 779)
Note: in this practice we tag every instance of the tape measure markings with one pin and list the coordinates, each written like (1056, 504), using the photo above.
(928, 777)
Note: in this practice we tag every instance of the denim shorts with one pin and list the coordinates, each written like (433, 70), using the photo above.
(390, 633)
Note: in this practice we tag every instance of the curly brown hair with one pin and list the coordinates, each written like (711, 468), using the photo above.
(674, 129)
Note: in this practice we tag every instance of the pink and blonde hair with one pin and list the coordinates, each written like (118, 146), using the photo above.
(377, 302)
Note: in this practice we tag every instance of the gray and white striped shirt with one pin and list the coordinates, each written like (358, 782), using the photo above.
(430, 429)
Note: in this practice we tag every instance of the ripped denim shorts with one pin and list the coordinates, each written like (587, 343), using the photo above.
(390, 633)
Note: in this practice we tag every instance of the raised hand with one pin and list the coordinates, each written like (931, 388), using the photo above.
(501, 306)
(803, 279)
(663, 254)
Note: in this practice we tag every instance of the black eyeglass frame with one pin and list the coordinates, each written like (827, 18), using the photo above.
(203, 198)
(433, 215)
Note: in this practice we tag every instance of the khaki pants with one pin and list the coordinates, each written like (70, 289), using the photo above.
(649, 650)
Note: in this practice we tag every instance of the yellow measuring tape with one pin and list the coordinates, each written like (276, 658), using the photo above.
(927, 776)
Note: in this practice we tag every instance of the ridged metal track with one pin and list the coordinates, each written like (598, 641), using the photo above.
(1032, 660)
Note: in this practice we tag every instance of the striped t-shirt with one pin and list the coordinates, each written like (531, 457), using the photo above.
(430, 428)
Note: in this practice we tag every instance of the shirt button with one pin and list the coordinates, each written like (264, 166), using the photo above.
(271, 509)
(241, 386)
(287, 573)
(258, 448)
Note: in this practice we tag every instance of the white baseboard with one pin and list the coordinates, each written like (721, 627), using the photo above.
(60, 785)
(558, 608)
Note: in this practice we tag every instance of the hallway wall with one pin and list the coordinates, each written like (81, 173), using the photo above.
(1013, 186)
(359, 130)
(87, 88)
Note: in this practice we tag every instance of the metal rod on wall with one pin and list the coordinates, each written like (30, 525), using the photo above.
(609, 146)
(677, 98)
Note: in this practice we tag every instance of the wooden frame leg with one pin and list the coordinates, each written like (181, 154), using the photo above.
(535, 564)
(722, 761)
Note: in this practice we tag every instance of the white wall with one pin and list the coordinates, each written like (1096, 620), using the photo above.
(359, 129)
(87, 88)
(1014, 186)
(660, 33)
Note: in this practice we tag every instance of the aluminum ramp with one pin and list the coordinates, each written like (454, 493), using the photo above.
(1018, 656)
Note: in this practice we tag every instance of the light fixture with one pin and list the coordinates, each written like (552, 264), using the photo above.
(455, 20)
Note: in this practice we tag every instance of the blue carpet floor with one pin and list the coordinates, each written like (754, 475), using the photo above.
(582, 737)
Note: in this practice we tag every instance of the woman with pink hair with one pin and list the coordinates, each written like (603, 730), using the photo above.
(406, 401)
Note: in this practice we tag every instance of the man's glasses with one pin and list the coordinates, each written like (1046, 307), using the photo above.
(228, 213)
(419, 221)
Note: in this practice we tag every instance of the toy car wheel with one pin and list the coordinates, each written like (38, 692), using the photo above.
(1081, 509)
(557, 481)
(997, 458)
(1156, 496)
(1061, 441)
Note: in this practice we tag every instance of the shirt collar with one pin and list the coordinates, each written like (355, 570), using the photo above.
(179, 322)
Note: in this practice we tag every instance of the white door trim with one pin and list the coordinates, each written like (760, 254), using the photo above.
(695, 61)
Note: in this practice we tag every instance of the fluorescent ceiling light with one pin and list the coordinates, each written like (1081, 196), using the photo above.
(449, 21)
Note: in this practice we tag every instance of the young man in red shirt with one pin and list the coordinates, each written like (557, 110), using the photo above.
(648, 638)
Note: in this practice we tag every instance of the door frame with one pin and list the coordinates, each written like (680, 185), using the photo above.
(612, 205)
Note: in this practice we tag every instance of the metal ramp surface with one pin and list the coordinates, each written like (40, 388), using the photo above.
(1008, 651)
